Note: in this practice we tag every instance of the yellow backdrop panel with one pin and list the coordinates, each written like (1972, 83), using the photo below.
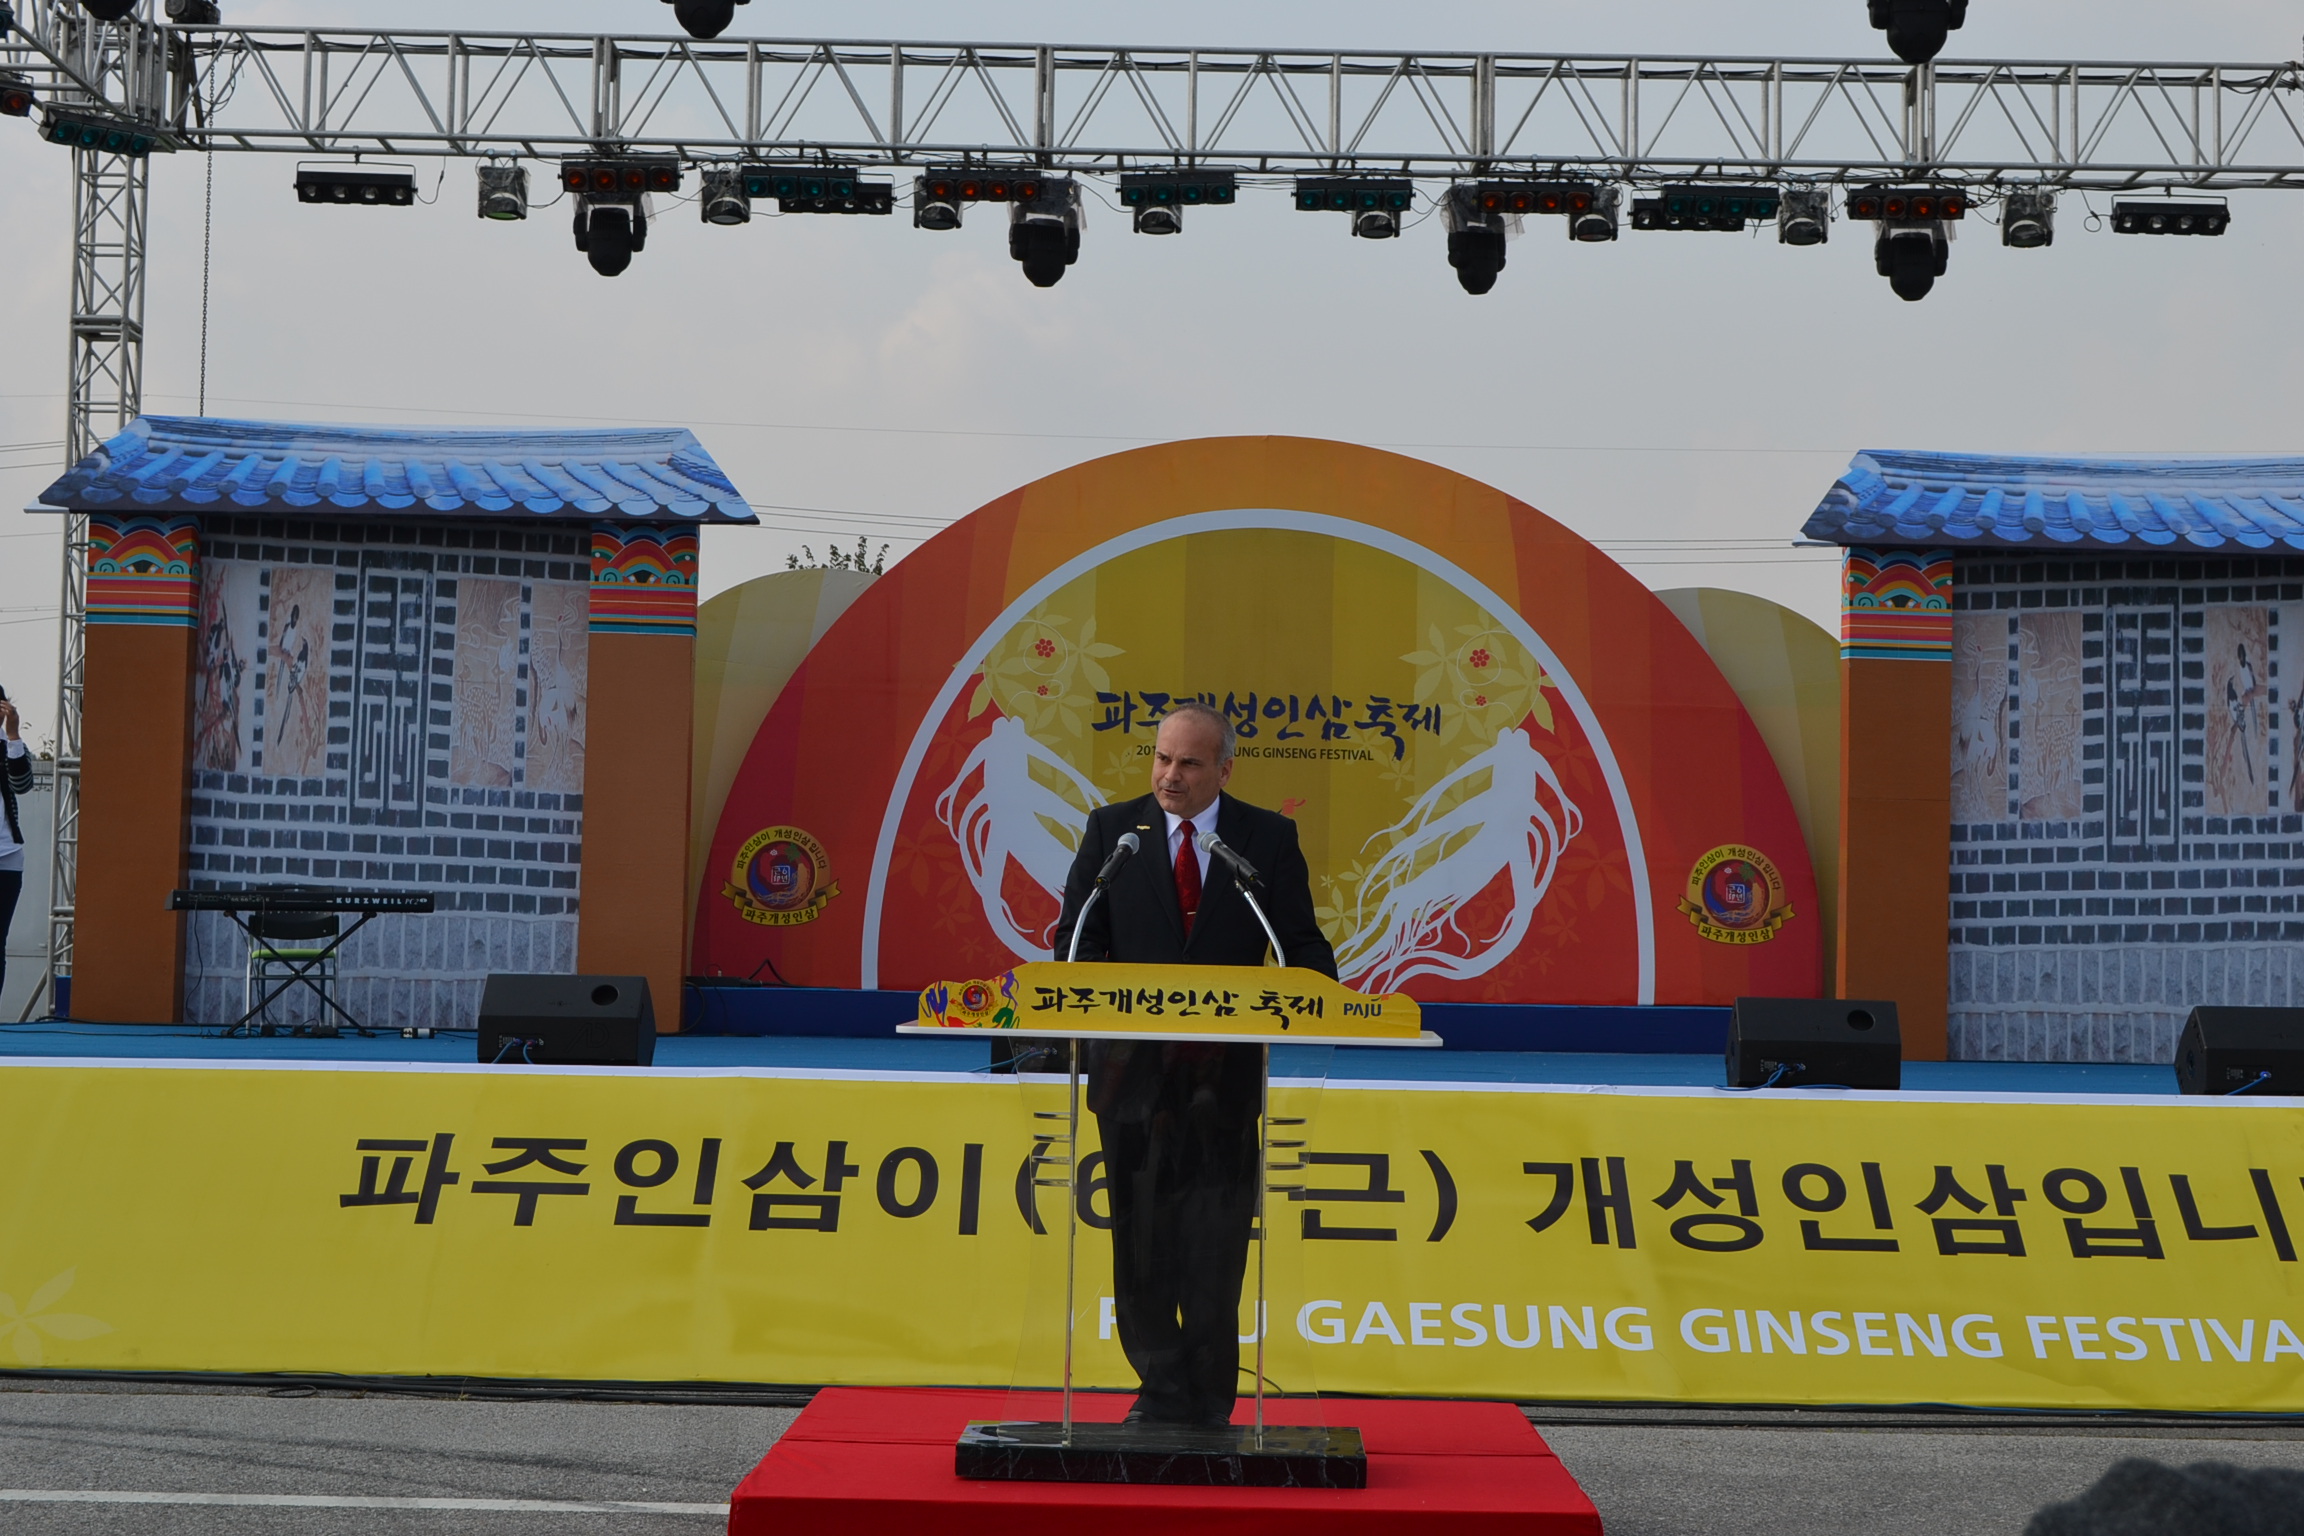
(1456, 1239)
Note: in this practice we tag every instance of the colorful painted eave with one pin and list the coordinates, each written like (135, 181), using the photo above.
(200, 465)
(1979, 501)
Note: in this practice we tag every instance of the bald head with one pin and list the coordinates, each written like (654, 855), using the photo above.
(1191, 759)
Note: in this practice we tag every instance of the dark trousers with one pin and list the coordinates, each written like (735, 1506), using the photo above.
(11, 887)
(1181, 1161)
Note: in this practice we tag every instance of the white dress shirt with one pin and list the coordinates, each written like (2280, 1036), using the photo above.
(1204, 822)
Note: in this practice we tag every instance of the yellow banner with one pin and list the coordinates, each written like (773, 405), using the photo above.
(1283, 1003)
(1452, 1239)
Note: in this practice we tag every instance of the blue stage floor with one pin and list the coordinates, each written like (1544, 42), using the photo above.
(915, 1055)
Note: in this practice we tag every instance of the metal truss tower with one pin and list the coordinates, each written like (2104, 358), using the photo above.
(121, 66)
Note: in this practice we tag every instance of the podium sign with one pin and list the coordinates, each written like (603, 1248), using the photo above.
(1239, 1004)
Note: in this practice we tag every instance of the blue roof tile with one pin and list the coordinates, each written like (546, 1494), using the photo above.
(1955, 500)
(202, 464)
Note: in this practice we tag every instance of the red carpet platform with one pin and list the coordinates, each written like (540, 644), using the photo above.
(866, 1461)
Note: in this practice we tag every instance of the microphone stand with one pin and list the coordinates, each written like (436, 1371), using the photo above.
(1072, 1140)
(1264, 1124)
(1256, 907)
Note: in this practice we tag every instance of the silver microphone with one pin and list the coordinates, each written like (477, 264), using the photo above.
(1128, 844)
(1241, 869)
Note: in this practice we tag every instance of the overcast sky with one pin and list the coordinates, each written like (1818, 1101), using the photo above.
(885, 381)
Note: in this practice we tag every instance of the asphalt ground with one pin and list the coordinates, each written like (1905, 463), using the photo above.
(533, 1467)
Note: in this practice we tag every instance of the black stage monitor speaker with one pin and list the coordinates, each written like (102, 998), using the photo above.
(2241, 1050)
(591, 1021)
(1799, 1042)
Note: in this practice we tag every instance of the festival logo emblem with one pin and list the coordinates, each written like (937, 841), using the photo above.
(1736, 896)
(781, 878)
(971, 1004)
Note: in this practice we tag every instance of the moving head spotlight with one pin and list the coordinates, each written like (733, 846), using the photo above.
(108, 10)
(704, 18)
(1044, 231)
(608, 234)
(1911, 260)
(1477, 227)
(1916, 28)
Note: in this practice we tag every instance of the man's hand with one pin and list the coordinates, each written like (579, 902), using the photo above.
(8, 720)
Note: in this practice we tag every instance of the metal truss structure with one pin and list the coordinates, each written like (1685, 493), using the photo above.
(80, 62)
(1983, 124)
(2064, 123)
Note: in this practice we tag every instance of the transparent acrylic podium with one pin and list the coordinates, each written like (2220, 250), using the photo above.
(1160, 1022)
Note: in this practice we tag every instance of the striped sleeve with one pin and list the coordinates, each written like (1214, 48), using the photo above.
(20, 773)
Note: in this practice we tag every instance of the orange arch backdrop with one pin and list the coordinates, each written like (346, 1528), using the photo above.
(1517, 776)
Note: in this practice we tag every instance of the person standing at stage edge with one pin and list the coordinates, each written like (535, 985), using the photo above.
(1178, 1120)
(15, 779)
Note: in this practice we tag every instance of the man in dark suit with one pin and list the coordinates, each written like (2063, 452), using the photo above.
(1178, 1120)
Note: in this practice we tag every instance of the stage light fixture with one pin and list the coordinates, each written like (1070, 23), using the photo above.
(608, 234)
(2170, 218)
(1478, 225)
(1157, 198)
(1376, 204)
(935, 203)
(704, 18)
(818, 189)
(1804, 217)
(194, 13)
(1915, 239)
(1726, 209)
(963, 184)
(503, 191)
(78, 130)
(724, 200)
(1917, 28)
(108, 10)
(1044, 230)
(621, 178)
(1912, 259)
(16, 98)
(1892, 205)
(2028, 219)
(354, 186)
(1599, 221)
(1571, 198)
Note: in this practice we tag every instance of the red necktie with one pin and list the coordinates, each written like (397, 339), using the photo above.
(1188, 879)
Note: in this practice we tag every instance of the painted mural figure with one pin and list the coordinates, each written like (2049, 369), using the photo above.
(296, 682)
(1012, 814)
(216, 694)
(2237, 642)
(2239, 693)
(1453, 843)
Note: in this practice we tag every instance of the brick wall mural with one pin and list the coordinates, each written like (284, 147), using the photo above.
(2127, 800)
(392, 706)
